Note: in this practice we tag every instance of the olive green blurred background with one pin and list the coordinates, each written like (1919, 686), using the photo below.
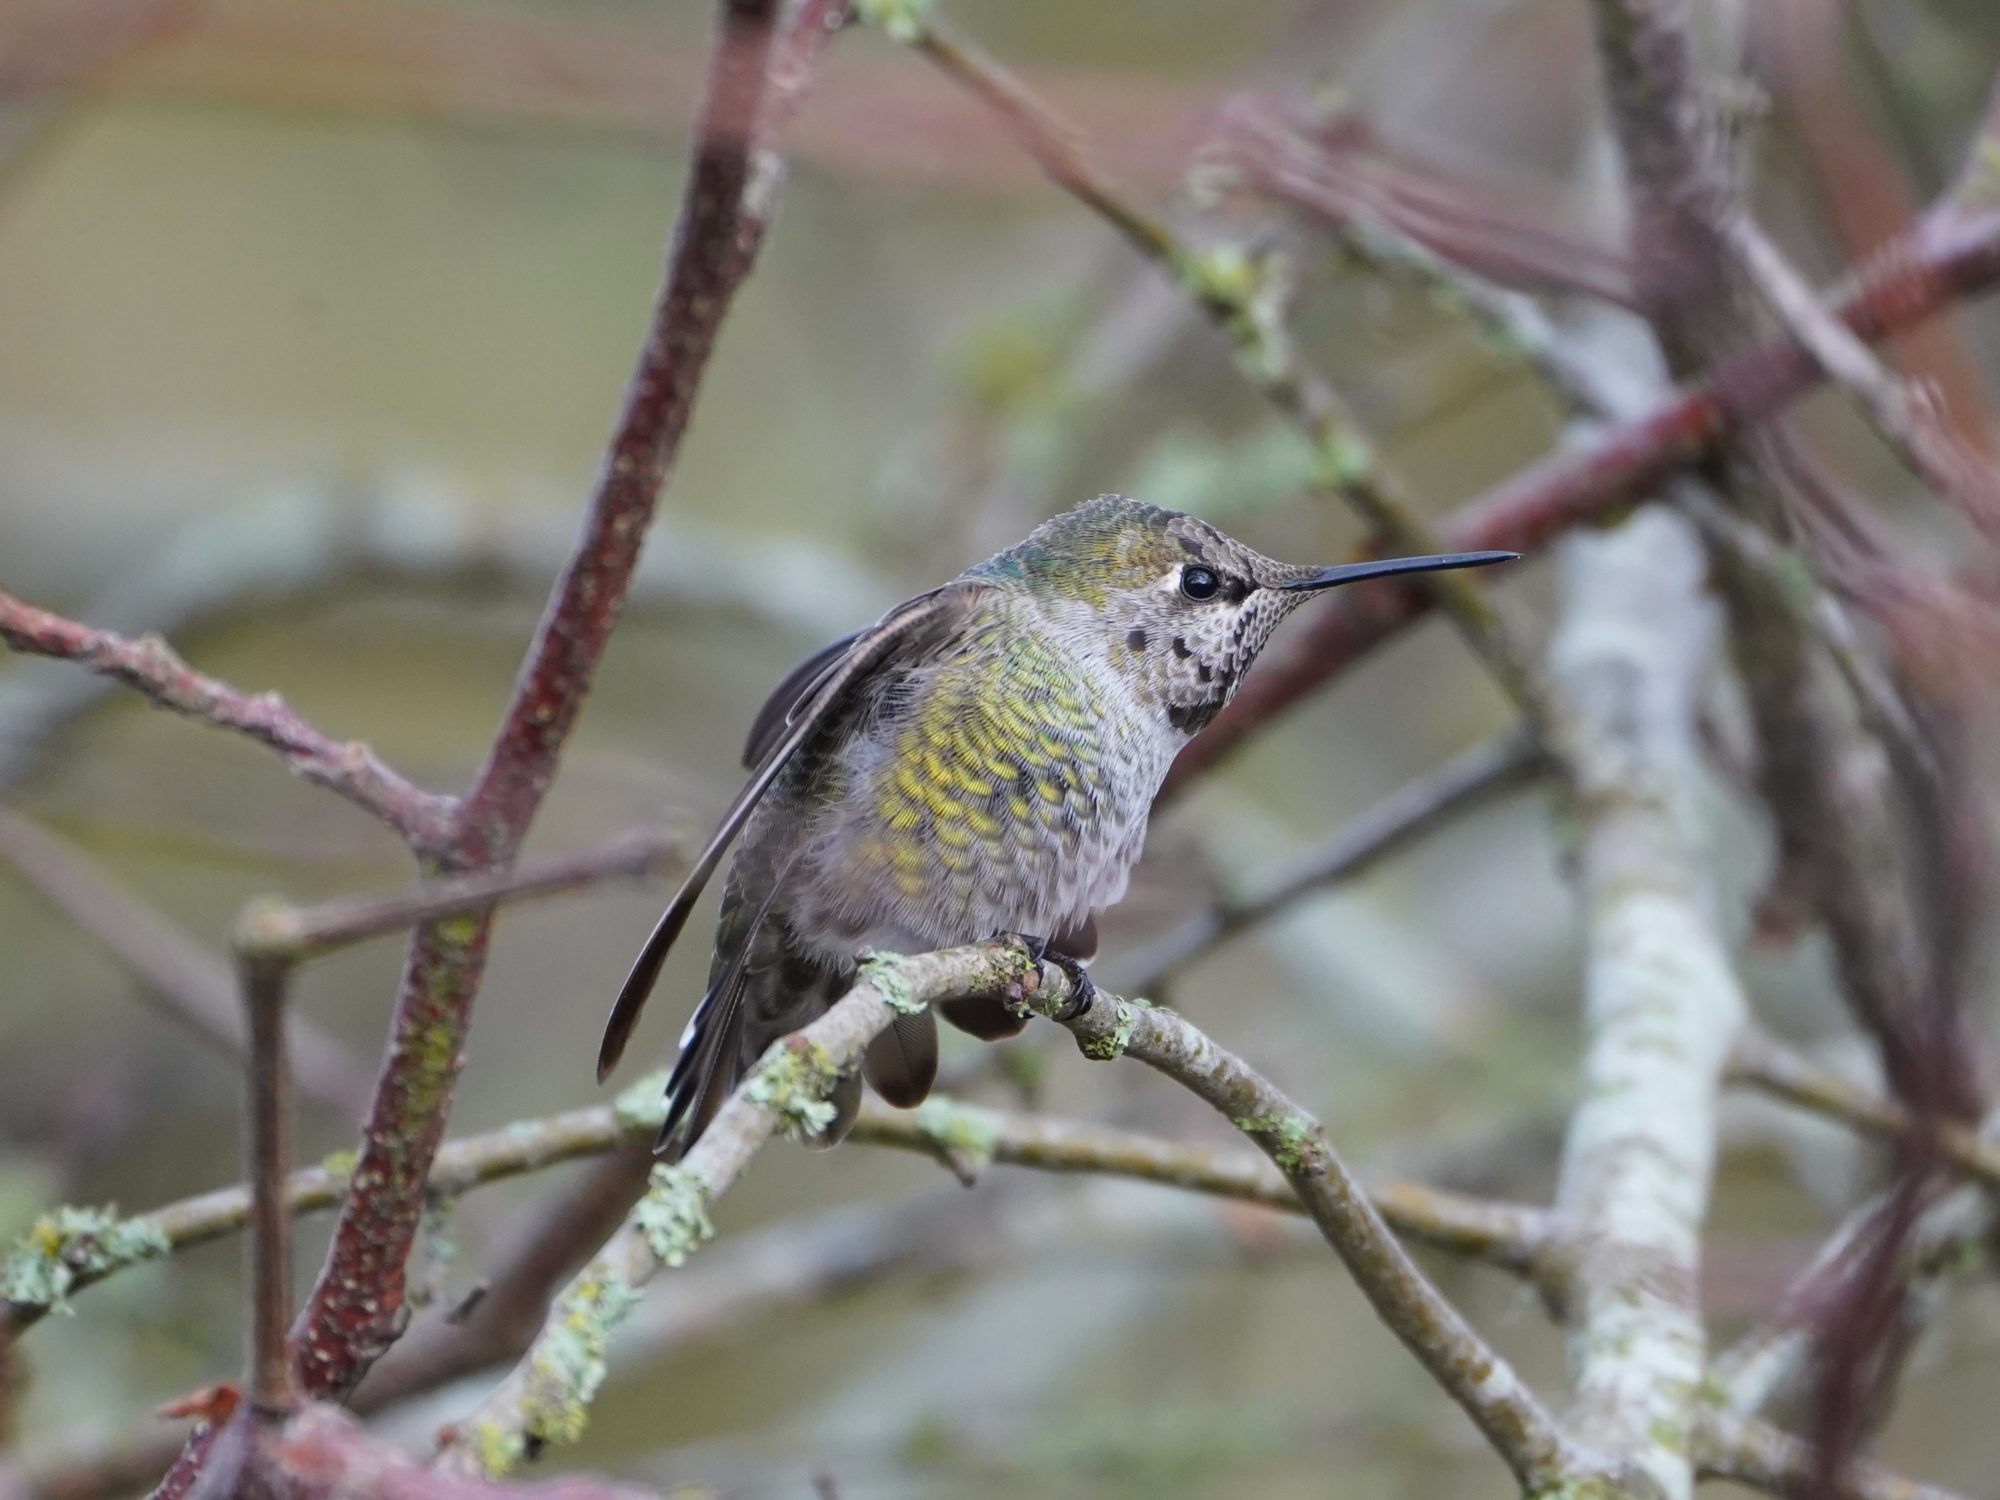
(314, 321)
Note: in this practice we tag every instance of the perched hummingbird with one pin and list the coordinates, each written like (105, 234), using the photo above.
(979, 761)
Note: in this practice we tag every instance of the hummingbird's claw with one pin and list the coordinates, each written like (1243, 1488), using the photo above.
(1083, 989)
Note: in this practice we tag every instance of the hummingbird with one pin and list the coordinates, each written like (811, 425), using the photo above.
(978, 762)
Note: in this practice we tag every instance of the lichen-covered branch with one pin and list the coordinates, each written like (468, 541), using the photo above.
(547, 1395)
(1512, 1236)
(546, 1398)
(1661, 1002)
(83, 1249)
(346, 767)
(1485, 1387)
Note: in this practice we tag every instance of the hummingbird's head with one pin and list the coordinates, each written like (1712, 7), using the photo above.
(1174, 605)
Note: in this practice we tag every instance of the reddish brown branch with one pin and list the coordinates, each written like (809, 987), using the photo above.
(358, 1305)
(1340, 172)
(268, 1168)
(149, 664)
(322, 1453)
(1948, 258)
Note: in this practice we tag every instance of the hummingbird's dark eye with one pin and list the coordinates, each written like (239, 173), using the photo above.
(1199, 583)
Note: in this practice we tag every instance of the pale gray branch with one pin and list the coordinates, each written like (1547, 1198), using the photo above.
(1661, 1002)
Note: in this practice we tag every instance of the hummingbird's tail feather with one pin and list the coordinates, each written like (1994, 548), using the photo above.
(711, 1056)
(902, 1063)
(638, 986)
(983, 1017)
(846, 1102)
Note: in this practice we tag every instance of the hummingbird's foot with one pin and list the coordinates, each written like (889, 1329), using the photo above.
(1083, 989)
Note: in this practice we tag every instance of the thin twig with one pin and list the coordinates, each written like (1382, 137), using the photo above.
(322, 1451)
(304, 545)
(1908, 420)
(274, 932)
(190, 982)
(1511, 1236)
(1748, 1452)
(1768, 1065)
(268, 1087)
(1470, 781)
(347, 767)
(1333, 165)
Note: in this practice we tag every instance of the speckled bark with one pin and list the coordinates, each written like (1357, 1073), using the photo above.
(1661, 1003)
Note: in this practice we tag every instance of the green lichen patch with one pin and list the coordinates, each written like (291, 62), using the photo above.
(900, 20)
(968, 1136)
(1248, 293)
(885, 972)
(565, 1373)
(643, 1107)
(1294, 1142)
(674, 1214)
(436, 1253)
(1113, 1044)
(1345, 460)
(1224, 276)
(340, 1165)
(68, 1245)
(793, 1082)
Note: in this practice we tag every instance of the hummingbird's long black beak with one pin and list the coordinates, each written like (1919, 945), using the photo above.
(1384, 567)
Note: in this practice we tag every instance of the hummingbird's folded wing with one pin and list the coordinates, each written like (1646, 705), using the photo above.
(820, 688)
(777, 714)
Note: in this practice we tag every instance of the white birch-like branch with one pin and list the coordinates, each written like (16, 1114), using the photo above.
(1662, 1006)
